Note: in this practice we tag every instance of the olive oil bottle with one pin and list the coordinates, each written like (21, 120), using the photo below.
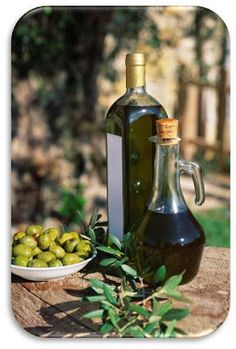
(129, 123)
(167, 233)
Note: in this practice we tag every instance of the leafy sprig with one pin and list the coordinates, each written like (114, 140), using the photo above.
(131, 308)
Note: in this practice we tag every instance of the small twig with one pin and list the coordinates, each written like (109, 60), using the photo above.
(154, 295)
(127, 325)
(142, 286)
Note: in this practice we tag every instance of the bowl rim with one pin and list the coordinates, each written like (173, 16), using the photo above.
(64, 267)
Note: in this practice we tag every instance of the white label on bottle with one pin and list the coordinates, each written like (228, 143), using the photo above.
(115, 185)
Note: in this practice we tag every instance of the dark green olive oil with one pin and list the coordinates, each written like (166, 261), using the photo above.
(173, 240)
(135, 124)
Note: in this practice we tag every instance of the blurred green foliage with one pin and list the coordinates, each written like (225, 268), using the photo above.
(216, 224)
(71, 201)
(64, 48)
(49, 39)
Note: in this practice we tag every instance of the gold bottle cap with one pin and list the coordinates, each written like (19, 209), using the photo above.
(135, 69)
(135, 59)
(167, 128)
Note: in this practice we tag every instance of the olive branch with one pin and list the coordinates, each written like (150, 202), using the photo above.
(131, 308)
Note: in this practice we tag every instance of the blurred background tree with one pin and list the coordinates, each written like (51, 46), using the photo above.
(68, 67)
(58, 53)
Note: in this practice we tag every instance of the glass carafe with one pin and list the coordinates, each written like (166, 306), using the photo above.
(168, 233)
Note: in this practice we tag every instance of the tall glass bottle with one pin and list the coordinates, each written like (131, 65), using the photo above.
(167, 233)
(129, 122)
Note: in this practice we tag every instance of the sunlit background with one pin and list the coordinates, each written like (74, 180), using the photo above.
(68, 67)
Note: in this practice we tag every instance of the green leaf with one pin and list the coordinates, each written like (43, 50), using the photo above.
(135, 331)
(106, 328)
(95, 298)
(109, 261)
(155, 307)
(134, 308)
(93, 218)
(129, 270)
(172, 282)
(98, 285)
(127, 240)
(94, 314)
(180, 331)
(178, 296)
(108, 294)
(113, 240)
(160, 309)
(160, 274)
(150, 327)
(105, 305)
(170, 330)
(175, 314)
(123, 260)
(113, 317)
(156, 334)
(109, 250)
(91, 235)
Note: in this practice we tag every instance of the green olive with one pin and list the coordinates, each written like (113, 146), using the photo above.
(70, 245)
(82, 254)
(44, 241)
(85, 246)
(55, 263)
(53, 243)
(53, 233)
(58, 251)
(46, 256)
(34, 230)
(22, 250)
(21, 261)
(68, 236)
(19, 235)
(36, 251)
(86, 242)
(37, 263)
(71, 258)
(28, 241)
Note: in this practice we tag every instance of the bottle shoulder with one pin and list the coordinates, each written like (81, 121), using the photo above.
(136, 100)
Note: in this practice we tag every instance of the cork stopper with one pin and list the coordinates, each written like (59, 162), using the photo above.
(167, 131)
(167, 128)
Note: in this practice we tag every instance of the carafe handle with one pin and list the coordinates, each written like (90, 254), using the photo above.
(193, 169)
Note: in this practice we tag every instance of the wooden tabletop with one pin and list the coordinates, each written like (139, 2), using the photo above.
(54, 308)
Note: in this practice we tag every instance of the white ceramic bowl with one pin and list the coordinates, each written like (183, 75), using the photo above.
(45, 274)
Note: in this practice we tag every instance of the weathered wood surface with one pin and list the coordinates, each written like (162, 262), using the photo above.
(54, 309)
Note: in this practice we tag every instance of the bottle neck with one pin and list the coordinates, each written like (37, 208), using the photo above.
(135, 76)
(167, 196)
(137, 90)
